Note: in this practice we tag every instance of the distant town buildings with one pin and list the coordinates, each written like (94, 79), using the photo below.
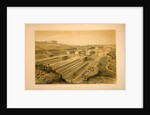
(80, 52)
(70, 50)
(90, 52)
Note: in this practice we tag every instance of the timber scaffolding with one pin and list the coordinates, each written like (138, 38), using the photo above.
(72, 69)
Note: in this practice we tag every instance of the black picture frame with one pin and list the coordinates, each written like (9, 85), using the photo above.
(114, 3)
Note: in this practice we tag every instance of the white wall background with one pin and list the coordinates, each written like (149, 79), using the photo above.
(18, 97)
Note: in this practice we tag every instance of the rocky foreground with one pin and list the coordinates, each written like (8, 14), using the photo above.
(81, 72)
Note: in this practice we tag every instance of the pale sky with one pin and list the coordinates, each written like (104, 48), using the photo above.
(82, 37)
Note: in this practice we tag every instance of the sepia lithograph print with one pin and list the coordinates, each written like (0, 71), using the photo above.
(75, 56)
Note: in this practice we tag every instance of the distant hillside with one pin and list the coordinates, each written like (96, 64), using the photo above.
(50, 46)
(62, 47)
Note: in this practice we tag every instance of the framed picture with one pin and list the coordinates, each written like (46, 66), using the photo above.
(73, 56)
